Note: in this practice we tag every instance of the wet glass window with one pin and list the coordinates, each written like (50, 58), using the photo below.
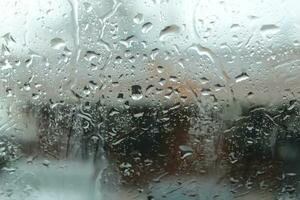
(150, 100)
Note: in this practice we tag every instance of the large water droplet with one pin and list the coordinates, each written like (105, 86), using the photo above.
(269, 29)
(138, 18)
(160, 69)
(205, 92)
(57, 43)
(136, 92)
(168, 31)
(86, 91)
(46, 163)
(242, 77)
(147, 27)
(27, 87)
(90, 55)
(185, 151)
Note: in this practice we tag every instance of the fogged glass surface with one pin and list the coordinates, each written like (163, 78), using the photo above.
(154, 99)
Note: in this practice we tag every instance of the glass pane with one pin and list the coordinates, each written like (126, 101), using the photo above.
(155, 99)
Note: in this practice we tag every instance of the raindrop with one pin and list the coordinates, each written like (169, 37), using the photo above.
(127, 42)
(205, 92)
(203, 51)
(120, 96)
(118, 60)
(233, 180)
(169, 93)
(46, 163)
(242, 77)
(234, 27)
(5, 50)
(30, 159)
(138, 18)
(183, 98)
(93, 85)
(250, 95)
(185, 151)
(250, 141)
(35, 96)
(125, 165)
(168, 31)
(138, 115)
(90, 55)
(27, 87)
(57, 43)
(113, 112)
(136, 92)
(160, 69)
(162, 81)
(296, 43)
(149, 89)
(86, 90)
(154, 53)
(204, 80)
(9, 92)
(147, 27)
(28, 62)
(173, 78)
(218, 87)
(269, 29)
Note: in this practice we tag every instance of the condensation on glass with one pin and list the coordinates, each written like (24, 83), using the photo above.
(154, 99)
